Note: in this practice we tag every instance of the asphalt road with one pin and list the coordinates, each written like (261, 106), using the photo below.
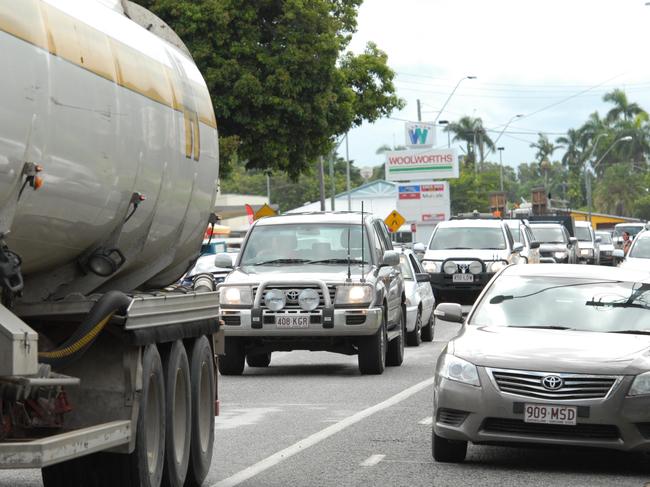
(310, 419)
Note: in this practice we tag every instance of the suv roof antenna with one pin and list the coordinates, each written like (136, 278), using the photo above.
(349, 279)
(363, 257)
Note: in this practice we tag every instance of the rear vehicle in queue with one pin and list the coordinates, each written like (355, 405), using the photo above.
(606, 247)
(419, 300)
(556, 245)
(549, 355)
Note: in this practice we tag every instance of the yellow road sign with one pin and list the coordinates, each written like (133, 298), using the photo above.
(394, 221)
(265, 210)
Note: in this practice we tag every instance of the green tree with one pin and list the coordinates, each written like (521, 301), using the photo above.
(622, 107)
(472, 133)
(282, 85)
(573, 161)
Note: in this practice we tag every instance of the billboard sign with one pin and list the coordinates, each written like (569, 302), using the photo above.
(423, 164)
(420, 134)
(425, 202)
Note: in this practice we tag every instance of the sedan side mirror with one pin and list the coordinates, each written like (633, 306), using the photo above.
(390, 259)
(451, 312)
(518, 247)
(223, 260)
(534, 245)
(423, 277)
(419, 248)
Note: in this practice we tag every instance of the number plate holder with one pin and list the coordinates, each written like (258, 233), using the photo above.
(463, 278)
(550, 414)
(292, 320)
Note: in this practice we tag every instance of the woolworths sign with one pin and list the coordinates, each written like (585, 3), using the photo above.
(414, 165)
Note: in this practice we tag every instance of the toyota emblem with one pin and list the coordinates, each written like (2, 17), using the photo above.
(292, 295)
(552, 382)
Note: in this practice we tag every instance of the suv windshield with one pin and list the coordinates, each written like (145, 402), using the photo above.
(631, 229)
(641, 249)
(605, 238)
(549, 234)
(515, 231)
(305, 243)
(579, 304)
(583, 234)
(447, 238)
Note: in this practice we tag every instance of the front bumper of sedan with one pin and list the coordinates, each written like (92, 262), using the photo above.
(487, 415)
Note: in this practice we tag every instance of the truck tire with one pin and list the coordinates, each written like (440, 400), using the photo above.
(395, 355)
(414, 338)
(427, 330)
(203, 395)
(232, 362)
(372, 352)
(258, 359)
(178, 415)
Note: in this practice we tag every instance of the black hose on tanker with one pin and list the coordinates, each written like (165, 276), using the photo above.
(84, 336)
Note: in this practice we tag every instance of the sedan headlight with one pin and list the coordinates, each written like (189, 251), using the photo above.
(560, 255)
(430, 266)
(498, 265)
(454, 368)
(640, 385)
(235, 296)
(353, 294)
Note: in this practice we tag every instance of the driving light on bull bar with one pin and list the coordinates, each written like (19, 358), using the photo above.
(475, 267)
(454, 368)
(450, 267)
(308, 299)
(353, 294)
(274, 299)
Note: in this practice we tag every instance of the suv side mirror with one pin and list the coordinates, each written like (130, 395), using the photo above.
(451, 312)
(573, 240)
(599, 239)
(518, 247)
(223, 260)
(422, 277)
(390, 259)
(534, 245)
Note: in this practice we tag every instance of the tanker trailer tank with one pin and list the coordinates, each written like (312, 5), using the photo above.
(108, 172)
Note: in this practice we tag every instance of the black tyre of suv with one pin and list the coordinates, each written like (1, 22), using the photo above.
(414, 338)
(427, 330)
(258, 359)
(372, 352)
(232, 362)
(395, 355)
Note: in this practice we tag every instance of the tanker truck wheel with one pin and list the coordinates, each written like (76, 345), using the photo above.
(232, 362)
(178, 415)
(203, 395)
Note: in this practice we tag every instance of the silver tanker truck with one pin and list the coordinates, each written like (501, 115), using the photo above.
(108, 170)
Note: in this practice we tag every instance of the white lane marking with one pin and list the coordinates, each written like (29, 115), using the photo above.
(241, 417)
(372, 460)
(276, 458)
(426, 421)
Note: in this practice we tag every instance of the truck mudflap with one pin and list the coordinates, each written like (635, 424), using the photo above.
(65, 446)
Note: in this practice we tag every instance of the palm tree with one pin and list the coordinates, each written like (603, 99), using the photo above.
(545, 148)
(472, 133)
(622, 106)
(573, 160)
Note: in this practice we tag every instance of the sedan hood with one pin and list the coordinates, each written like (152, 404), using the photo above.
(553, 350)
(483, 254)
(295, 272)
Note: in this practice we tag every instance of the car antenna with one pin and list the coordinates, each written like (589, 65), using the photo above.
(349, 279)
(363, 257)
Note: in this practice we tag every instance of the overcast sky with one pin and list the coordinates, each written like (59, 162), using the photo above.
(551, 60)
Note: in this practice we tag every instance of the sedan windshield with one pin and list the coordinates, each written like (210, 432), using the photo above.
(549, 234)
(448, 238)
(631, 229)
(641, 249)
(306, 243)
(566, 303)
(605, 238)
(583, 234)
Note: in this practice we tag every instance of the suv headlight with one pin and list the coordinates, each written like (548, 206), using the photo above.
(640, 385)
(454, 368)
(496, 266)
(587, 252)
(560, 255)
(430, 266)
(235, 296)
(353, 294)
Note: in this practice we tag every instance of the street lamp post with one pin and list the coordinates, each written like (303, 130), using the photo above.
(444, 123)
(519, 115)
(500, 149)
(452, 94)
(591, 170)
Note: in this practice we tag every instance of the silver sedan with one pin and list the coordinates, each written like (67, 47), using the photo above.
(552, 355)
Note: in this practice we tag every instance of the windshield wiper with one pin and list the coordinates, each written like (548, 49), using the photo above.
(624, 304)
(281, 261)
(632, 332)
(544, 327)
(336, 261)
(459, 248)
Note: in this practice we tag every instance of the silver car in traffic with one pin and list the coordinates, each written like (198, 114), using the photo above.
(552, 355)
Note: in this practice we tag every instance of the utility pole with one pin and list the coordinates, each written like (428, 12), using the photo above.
(321, 177)
(332, 182)
(500, 149)
(419, 111)
(347, 171)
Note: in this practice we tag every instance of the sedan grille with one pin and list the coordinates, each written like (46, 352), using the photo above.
(573, 386)
(554, 431)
